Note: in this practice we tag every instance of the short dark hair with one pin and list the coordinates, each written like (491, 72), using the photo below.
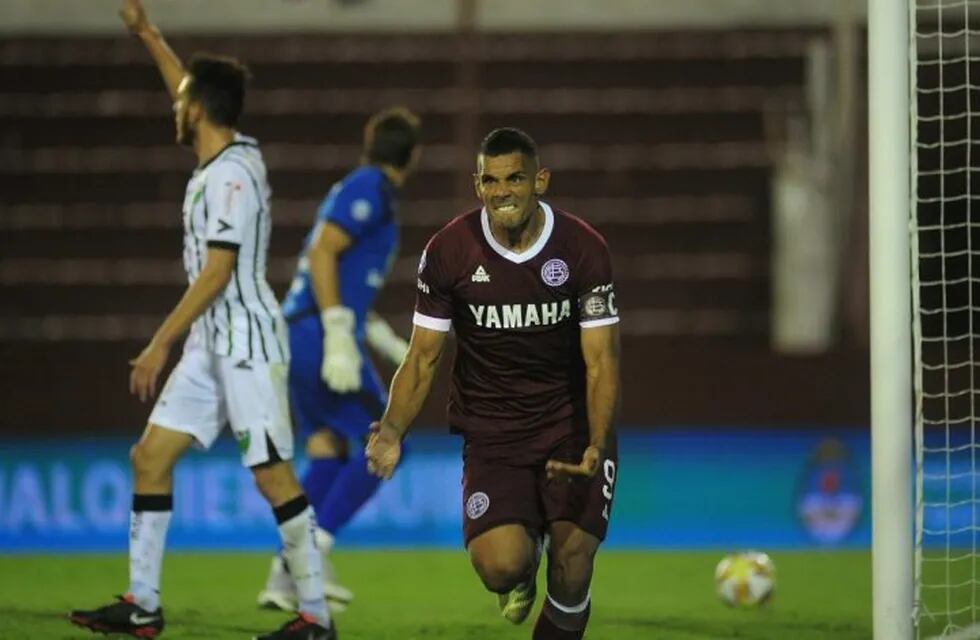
(504, 140)
(218, 83)
(390, 136)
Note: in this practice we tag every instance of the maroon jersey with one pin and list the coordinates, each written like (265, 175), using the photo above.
(519, 378)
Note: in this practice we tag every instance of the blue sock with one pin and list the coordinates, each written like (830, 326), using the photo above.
(319, 477)
(352, 488)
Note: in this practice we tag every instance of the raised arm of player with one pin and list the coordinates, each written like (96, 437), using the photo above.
(213, 279)
(600, 350)
(409, 389)
(134, 16)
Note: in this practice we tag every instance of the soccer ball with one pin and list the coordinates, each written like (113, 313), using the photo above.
(745, 579)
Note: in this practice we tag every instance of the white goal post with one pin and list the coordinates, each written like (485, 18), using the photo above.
(891, 419)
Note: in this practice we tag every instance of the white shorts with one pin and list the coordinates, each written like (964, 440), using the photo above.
(206, 391)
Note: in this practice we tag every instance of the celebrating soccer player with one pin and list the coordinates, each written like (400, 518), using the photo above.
(335, 391)
(529, 292)
(233, 369)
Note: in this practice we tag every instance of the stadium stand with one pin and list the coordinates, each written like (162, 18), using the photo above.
(659, 139)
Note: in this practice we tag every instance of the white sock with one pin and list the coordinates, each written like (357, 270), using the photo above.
(577, 608)
(147, 536)
(303, 560)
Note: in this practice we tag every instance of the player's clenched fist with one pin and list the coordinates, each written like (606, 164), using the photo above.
(591, 458)
(383, 450)
(133, 15)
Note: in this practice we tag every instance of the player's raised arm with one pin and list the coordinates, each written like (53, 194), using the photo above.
(409, 389)
(134, 16)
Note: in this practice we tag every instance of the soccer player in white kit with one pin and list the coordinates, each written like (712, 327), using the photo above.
(233, 369)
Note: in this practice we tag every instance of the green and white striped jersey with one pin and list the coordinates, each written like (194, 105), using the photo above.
(226, 205)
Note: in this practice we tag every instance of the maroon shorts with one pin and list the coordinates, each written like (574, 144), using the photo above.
(495, 493)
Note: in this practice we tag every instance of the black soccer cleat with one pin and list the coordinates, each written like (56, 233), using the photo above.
(302, 627)
(122, 616)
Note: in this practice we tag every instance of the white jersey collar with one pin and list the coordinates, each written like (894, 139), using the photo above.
(533, 250)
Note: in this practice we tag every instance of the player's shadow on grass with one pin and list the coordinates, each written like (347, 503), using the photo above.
(203, 625)
(16, 620)
(11, 614)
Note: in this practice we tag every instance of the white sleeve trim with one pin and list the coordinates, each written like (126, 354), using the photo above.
(428, 322)
(601, 322)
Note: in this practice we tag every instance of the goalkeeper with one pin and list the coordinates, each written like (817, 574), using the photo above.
(334, 390)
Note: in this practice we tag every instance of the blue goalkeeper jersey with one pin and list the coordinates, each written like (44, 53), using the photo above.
(364, 204)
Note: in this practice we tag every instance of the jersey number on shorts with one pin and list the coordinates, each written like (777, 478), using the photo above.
(609, 471)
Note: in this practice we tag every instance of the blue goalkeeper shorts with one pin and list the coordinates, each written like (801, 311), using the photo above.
(315, 406)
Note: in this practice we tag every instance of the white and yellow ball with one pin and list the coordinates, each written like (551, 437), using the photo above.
(745, 579)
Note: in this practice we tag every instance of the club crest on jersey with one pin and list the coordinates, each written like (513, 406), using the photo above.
(244, 439)
(554, 272)
(595, 306)
(520, 316)
(477, 505)
(599, 303)
(233, 187)
(480, 275)
(360, 210)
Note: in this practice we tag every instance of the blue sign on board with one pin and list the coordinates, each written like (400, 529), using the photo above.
(675, 489)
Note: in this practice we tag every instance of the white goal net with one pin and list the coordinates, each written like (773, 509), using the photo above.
(945, 104)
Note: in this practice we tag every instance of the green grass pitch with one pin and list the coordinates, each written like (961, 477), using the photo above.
(406, 595)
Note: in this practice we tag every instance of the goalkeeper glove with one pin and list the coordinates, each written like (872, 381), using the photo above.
(388, 343)
(341, 367)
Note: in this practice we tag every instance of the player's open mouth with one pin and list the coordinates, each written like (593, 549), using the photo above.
(505, 208)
